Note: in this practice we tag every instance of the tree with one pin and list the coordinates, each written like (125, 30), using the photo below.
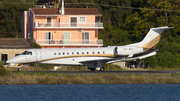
(35, 45)
(12, 11)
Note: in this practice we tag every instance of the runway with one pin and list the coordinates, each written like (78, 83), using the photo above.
(102, 72)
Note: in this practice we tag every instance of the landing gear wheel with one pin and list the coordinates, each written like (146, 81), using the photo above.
(92, 69)
(102, 69)
(19, 69)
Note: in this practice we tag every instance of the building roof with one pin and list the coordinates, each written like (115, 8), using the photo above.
(68, 11)
(19, 43)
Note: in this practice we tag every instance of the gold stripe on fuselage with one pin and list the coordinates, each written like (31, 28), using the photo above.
(86, 55)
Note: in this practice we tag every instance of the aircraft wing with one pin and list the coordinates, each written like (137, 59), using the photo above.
(102, 60)
(120, 59)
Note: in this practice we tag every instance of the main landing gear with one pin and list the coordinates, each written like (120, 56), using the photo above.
(97, 66)
(100, 69)
(92, 69)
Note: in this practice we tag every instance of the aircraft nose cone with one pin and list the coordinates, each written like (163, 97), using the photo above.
(12, 60)
(8, 61)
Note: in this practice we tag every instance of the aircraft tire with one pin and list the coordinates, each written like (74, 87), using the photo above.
(92, 69)
(19, 69)
(102, 69)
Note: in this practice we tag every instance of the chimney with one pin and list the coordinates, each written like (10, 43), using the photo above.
(62, 8)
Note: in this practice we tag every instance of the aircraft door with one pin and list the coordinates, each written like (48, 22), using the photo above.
(30, 56)
(38, 55)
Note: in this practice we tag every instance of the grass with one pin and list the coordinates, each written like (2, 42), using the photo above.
(54, 78)
(159, 68)
(108, 67)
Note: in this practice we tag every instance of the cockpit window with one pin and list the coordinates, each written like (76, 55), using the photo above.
(25, 52)
(29, 53)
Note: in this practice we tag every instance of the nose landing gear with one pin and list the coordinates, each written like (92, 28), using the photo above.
(19, 69)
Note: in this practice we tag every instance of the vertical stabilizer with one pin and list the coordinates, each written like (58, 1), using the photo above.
(151, 40)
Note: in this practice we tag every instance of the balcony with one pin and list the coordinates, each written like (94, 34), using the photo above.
(79, 42)
(68, 25)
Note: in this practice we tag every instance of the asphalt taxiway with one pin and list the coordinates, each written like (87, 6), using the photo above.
(104, 72)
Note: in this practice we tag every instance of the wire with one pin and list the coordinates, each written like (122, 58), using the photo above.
(114, 6)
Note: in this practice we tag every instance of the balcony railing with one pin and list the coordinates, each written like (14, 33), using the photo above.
(69, 42)
(68, 25)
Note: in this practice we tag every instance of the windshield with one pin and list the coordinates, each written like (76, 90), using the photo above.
(25, 52)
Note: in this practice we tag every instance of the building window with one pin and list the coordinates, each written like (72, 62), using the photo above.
(82, 19)
(4, 58)
(17, 54)
(29, 35)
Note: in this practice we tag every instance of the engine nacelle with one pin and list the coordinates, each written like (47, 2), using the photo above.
(127, 50)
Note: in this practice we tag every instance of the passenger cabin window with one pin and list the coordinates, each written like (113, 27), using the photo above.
(82, 52)
(103, 52)
(63, 53)
(77, 53)
(59, 53)
(98, 52)
(67, 53)
(54, 53)
(87, 52)
(72, 53)
(92, 52)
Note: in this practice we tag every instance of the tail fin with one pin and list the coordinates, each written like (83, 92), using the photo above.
(151, 40)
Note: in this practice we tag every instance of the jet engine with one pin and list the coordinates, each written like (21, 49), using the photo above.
(127, 50)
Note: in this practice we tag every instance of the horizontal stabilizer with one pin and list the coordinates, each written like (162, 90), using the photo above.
(134, 58)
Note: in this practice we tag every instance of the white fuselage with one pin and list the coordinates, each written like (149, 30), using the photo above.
(73, 56)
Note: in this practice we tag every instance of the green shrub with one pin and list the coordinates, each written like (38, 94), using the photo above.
(20, 72)
(43, 66)
(54, 74)
(1, 65)
(43, 73)
(4, 72)
(35, 45)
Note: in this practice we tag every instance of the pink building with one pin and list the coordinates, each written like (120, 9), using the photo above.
(62, 28)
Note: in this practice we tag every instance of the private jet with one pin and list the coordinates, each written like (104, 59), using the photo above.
(93, 57)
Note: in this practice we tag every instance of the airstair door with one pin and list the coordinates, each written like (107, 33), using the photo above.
(38, 55)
